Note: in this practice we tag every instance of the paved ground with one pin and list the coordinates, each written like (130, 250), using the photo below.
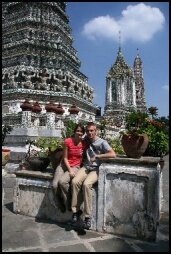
(26, 234)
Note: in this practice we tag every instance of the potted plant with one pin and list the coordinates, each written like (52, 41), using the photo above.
(145, 135)
(36, 157)
(134, 140)
(50, 148)
(54, 148)
(43, 151)
(6, 129)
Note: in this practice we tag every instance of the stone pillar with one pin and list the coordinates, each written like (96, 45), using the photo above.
(119, 92)
(50, 120)
(133, 93)
(59, 121)
(108, 91)
(122, 93)
(26, 119)
(129, 197)
(36, 122)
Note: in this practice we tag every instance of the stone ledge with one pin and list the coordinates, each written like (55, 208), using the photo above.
(150, 161)
(37, 174)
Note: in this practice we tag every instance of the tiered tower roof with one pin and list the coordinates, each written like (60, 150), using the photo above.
(120, 69)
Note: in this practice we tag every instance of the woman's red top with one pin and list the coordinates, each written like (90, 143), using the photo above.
(75, 152)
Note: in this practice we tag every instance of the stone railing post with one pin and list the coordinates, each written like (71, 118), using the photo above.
(73, 117)
(26, 119)
(50, 120)
(59, 124)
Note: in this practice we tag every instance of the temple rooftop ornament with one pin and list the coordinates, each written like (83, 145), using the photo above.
(50, 107)
(36, 108)
(26, 106)
(59, 109)
(73, 109)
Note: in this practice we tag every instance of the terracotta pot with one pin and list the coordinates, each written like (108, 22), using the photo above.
(37, 163)
(135, 145)
(56, 157)
(26, 106)
(5, 156)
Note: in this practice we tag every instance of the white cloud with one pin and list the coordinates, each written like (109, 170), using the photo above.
(166, 88)
(138, 23)
(103, 26)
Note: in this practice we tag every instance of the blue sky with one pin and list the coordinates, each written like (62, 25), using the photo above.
(145, 26)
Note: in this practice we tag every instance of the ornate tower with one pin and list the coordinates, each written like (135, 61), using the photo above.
(120, 89)
(139, 84)
(38, 60)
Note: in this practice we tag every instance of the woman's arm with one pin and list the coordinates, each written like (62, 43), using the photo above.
(66, 162)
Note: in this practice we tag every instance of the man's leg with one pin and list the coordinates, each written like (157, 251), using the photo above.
(76, 185)
(87, 194)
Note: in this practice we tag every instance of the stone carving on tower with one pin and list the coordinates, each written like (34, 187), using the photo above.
(38, 60)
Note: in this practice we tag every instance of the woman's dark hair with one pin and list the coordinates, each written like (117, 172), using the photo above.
(79, 125)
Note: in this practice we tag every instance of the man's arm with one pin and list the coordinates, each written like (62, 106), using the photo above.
(109, 154)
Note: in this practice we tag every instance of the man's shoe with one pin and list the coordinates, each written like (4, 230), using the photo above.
(76, 216)
(87, 223)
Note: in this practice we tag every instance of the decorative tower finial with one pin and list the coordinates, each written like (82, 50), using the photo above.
(119, 40)
(137, 51)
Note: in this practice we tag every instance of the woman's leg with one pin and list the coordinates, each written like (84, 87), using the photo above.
(57, 175)
(64, 183)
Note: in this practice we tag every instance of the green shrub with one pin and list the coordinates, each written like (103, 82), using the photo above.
(52, 143)
(115, 143)
(158, 141)
(69, 129)
(136, 122)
